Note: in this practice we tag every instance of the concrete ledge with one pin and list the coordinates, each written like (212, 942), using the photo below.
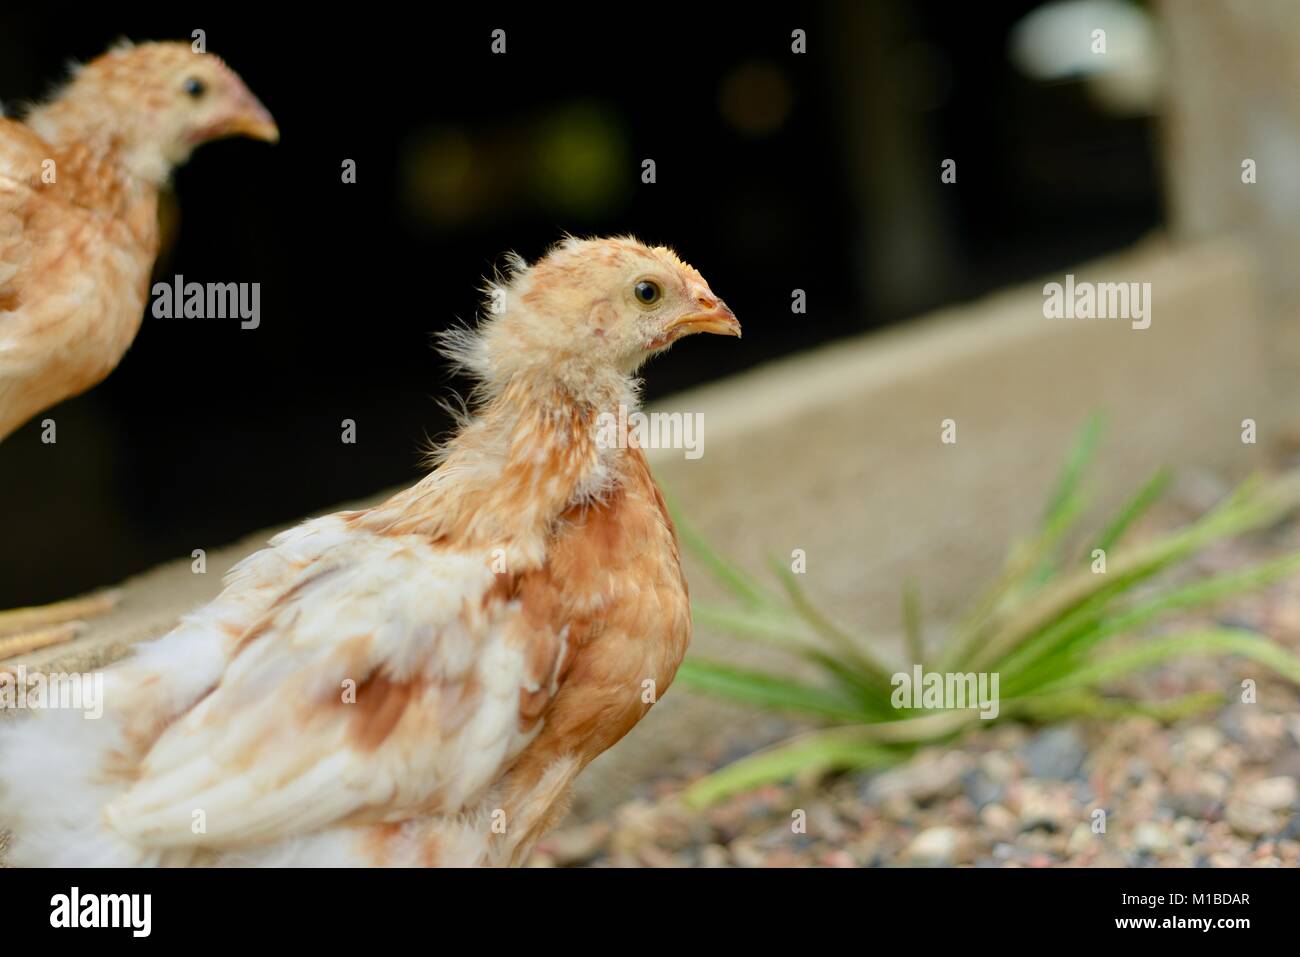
(838, 452)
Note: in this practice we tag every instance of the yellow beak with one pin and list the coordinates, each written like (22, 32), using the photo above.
(717, 319)
(254, 121)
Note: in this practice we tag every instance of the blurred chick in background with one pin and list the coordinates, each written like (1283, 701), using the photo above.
(79, 189)
(420, 682)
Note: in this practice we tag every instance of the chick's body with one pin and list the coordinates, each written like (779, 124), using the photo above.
(79, 182)
(417, 683)
(75, 260)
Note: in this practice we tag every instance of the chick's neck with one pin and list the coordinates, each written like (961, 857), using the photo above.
(534, 450)
(92, 137)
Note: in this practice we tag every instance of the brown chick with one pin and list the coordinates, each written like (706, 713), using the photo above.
(79, 182)
(417, 683)
(79, 186)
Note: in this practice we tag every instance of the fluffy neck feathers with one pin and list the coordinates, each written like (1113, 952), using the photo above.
(78, 124)
(531, 450)
(529, 455)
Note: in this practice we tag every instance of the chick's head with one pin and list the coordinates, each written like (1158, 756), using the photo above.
(159, 101)
(591, 307)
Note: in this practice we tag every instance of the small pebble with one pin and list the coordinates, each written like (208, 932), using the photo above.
(1152, 837)
(998, 819)
(933, 847)
(1273, 794)
(1250, 819)
(1056, 753)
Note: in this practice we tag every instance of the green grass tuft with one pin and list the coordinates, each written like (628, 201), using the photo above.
(1048, 625)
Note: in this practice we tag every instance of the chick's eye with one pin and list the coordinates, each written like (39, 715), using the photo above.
(647, 293)
(195, 87)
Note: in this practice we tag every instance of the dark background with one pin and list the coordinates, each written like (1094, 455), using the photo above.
(775, 172)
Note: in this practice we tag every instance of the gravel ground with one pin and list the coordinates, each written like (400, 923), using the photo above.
(1219, 790)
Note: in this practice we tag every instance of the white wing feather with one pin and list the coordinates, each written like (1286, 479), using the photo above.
(273, 750)
(251, 693)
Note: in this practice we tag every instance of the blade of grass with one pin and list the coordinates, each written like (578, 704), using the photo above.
(739, 582)
(1243, 511)
(1030, 666)
(1203, 592)
(832, 749)
(781, 630)
(1049, 547)
(1076, 464)
(1212, 642)
(850, 646)
(1022, 576)
(1083, 704)
(815, 754)
(788, 635)
(1046, 647)
(1066, 503)
(976, 626)
(913, 633)
(768, 691)
(1150, 493)
(871, 695)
